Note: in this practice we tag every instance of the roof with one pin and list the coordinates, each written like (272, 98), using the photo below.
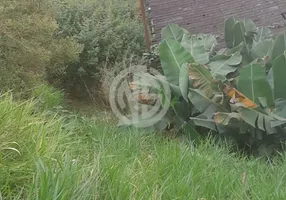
(208, 16)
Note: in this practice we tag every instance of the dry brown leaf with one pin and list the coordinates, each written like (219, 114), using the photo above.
(238, 97)
(145, 98)
(243, 178)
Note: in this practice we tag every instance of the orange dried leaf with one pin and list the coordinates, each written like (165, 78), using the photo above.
(238, 97)
(145, 98)
(248, 103)
(218, 119)
(192, 75)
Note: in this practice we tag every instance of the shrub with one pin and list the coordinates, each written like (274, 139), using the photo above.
(238, 91)
(29, 50)
(109, 32)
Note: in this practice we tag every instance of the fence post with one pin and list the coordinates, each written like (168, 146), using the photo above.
(144, 19)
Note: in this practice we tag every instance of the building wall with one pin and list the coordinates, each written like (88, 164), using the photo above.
(208, 16)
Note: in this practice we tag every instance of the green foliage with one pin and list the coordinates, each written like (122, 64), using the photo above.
(24, 137)
(50, 157)
(109, 31)
(47, 97)
(173, 56)
(252, 82)
(234, 91)
(277, 77)
(29, 51)
(68, 43)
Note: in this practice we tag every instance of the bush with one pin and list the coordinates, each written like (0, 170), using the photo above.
(109, 31)
(29, 50)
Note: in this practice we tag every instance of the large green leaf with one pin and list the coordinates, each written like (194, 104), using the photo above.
(262, 49)
(184, 81)
(279, 46)
(201, 102)
(252, 82)
(202, 121)
(206, 119)
(181, 110)
(202, 79)
(146, 79)
(277, 114)
(236, 49)
(280, 108)
(249, 25)
(239, 33)
(226, 118)
(173, 31)
(229, 32)
(223, 65)
(257, 120)
(239, 36)
(263, 33)
(196, 49)
(278, 77)
(270, 81)
(173, 55)
(207, 40)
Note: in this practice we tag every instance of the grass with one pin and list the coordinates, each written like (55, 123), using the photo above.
(62, 155)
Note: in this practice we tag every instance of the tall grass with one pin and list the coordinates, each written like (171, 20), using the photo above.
(65, 156)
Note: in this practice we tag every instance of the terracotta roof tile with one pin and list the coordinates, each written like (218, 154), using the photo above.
(207, 16)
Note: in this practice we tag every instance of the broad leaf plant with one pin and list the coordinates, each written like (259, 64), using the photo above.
(238, 91)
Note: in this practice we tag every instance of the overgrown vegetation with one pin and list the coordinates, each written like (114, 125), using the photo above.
(69, 43)
(29, 50)
(237, 92)
(61, 155)
(110, 33)
(48, 151)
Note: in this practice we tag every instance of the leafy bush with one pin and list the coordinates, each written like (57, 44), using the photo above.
(109, 32)
(238, 91)
(29, 50)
